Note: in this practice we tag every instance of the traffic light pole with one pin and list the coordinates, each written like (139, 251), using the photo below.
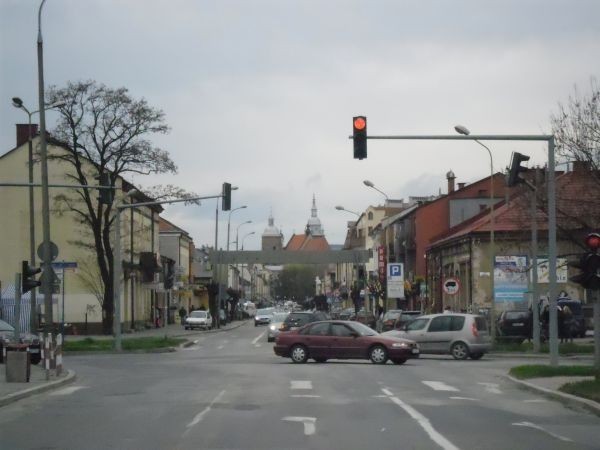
(551, 211)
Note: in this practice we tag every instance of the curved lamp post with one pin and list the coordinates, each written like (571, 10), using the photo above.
(460, 129)
(229, 222)
(341, 208)
(371, 185)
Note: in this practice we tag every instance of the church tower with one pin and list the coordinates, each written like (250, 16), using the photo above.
(314, 227)
(272, 238)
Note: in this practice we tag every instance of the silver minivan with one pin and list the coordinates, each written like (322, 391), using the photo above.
(460, 335)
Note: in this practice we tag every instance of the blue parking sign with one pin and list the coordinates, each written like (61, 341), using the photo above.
(394, 270)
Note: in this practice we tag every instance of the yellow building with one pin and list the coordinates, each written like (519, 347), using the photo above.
(84, 290)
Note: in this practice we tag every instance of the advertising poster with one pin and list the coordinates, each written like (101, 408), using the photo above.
(510, 280)
(561, 270)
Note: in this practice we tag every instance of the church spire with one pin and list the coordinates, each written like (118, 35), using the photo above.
(314, 224)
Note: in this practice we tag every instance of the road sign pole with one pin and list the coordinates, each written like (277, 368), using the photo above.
(17, 309)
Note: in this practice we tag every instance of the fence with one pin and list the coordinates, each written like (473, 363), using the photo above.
(7, 307)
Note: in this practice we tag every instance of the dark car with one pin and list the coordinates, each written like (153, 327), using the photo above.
(346, 314)
(298, 319)
(334, 339)
(7, 337)
(387, 321)
(575, 323)
(405, 318)
(366, 318)
(515, 325)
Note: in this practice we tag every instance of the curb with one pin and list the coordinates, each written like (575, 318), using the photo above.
(10, 398)
(580, 356)
(563, 397)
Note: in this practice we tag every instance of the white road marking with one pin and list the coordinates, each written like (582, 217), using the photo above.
(256, 339)
(226, 341)
(439, 386)
(305, 396)
(258, 345)
(537, 427)
(423, 421)
(386, 391)
(300, 384)
(68, 390)
(309, 423)
(465, 398)
(491, 387)
(198, 417)
(382, 430)
(538, 400)
(220, 347)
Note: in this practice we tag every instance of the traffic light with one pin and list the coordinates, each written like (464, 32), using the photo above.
(28, 281)
(589, 264)
(106, 195)
(226, 202)
(359, 135)
(515, 168)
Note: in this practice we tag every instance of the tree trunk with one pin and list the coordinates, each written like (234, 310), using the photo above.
(107, 310)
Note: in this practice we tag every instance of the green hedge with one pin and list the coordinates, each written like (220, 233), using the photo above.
(101, 345)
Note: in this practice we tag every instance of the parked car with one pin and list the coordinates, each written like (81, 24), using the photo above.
(275, 326)
(405, 318)
(334, 339)
(387, 321)
(345, 314)
(7, 336)
(298, 319)
(198, 319)
(460, 335)
(263, 316)
(515, 325)
(366, 318)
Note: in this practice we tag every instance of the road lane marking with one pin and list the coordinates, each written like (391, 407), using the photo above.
(300, 384)
(439, 386)
(258, 345)
(309, 423)
(68, 390)
(465, 398)
(491, 387)
(424, 423)
(305, 396)
(256, 339)
(537, 400)
(198, 417)
(220, 347)
(537, 427)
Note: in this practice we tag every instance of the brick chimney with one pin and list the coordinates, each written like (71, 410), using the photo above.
(581, 166)
(450, 177)
(23, 132)
(461, 185)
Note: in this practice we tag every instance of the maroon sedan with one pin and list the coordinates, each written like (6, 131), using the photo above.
(338, 339)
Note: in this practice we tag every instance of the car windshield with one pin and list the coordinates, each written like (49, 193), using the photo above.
(279, 317)
(392, 315)
(5, 326)
(198, 314)
(264, 312)
(363, 330)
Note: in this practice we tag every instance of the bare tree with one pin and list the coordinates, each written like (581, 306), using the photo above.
(105, 132)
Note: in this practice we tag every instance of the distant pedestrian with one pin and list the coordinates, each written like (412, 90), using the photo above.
(447, 310)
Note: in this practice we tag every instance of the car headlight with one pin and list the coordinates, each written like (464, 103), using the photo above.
(272, 327)
(400, 345)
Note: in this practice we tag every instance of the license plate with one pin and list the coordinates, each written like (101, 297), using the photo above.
(518, 324)
(415, 351)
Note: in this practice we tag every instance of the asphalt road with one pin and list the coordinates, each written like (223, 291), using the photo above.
(229, 391)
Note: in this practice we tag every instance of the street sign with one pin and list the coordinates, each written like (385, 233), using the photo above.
(395, 280)
(451, 286)
(65, 265)
(53, 251)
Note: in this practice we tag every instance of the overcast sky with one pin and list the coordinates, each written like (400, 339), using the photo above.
(262, 93)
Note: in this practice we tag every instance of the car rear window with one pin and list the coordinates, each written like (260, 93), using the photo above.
(391, 315)
(516, 315)
(480, 323)
(297, 319)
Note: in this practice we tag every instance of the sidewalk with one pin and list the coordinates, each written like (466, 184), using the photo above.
(12, 392)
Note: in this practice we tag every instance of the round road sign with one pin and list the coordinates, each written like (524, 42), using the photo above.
(451, 286)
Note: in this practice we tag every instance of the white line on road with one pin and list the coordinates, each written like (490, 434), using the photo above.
(439, 386)
(537, 400)
(465, 398)
(68, 390)
(424, 423)
(537, 427)
(220, 347)
(198, 417)
(257, 338)
(305, 396)
(258, 345)
(300, 384)
(491, 387)
(309, 423)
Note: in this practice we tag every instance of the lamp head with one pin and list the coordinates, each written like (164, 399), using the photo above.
(460, 129)
(17, 102)
(368, 183)
(339, 208)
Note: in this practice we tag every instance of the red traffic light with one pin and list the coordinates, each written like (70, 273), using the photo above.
(360, 123)
(592, 241)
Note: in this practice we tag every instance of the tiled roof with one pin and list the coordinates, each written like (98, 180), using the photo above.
(300, 242)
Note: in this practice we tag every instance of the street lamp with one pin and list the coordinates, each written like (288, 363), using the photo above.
(237, 233)
(371, 185)
(229, 222)
(243, 238)
(18, 103)
(341, 208)
(460, 129)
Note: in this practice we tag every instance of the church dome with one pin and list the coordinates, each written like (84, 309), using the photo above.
(271, 229)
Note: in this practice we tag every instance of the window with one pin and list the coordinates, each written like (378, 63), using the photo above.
(417, 324)
(370, 215)
(370, 231)
(457, 323)
(319, 329)
(337, 329)
(441, 323)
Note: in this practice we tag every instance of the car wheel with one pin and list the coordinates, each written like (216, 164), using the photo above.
(460, 350)
(299, 354)
(321, 360)
(399, 361)
(378, 355)
(476, 355)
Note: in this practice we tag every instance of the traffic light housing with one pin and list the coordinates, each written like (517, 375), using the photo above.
(359, 135)
(588, 264)
(516, 168)
(226, 203)
(106, 195)
(28, 281)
